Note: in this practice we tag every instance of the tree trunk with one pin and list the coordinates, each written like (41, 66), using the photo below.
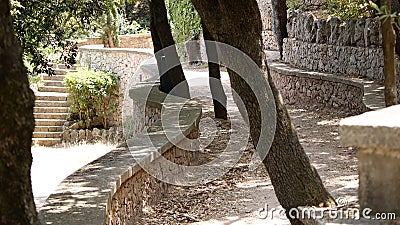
(388, 43)
(295, 180)
(16, 127)
(168, 58)
(110, 39)
(279, 21)
(396, 8)
(217, 91)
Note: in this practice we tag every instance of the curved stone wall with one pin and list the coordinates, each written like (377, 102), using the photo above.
(115, 188)
(125, 41)
(313, 89)
(122, 61)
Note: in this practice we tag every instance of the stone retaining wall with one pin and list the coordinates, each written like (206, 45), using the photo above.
(115, 189)
(269, 41)
(334, 46)
(122, 61)
(125, 41)
(112, 136)
(312, 89)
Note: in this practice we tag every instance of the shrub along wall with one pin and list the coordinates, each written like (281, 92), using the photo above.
(121, 61)
(93, 94)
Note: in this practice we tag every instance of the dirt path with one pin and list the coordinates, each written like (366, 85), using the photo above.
(238, 196)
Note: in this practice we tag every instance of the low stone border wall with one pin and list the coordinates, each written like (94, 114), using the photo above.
(376, 136)
(307, 89)
(125, 41)
(114, 188)
(113, 135)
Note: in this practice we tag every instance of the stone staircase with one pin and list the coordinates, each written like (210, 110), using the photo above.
(51, 108)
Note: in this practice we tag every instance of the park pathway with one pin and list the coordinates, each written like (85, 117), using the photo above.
(236, 197)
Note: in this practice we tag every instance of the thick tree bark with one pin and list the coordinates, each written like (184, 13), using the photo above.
(295, 180)
(16, 127)
(388, 44)
(279, 21)
(168, 58)
(217, 91)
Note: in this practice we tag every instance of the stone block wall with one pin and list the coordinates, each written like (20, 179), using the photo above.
(122, 61)
(310, 89)
(269, 41)
(352, 47)
(125, 41)
(113, 135)
(127, 204)
(136, 41)
(376, 136)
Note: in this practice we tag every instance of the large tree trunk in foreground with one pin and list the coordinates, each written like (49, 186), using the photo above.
(295, 180)
(169, 59)
(279, 21)
(16, 127)
(389, 43)
(217, 91)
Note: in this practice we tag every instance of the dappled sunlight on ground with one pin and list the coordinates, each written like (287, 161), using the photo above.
(52, 165)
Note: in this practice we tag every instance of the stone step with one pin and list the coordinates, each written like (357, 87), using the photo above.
(51, 109)
(48, 129)
(46, 141)
(62, 71)
(51, 96)
(51, 115)
(49, 122)
(52, 89)
(55, 83)
(54, 78)
(43, 103)
(63, 66)
(46, 134)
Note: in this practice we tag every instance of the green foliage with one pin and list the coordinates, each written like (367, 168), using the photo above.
(184, 19)
(35, 80)
(93, 94)
(384, 14)
(133, 27)
(109, 21)
(138, 11)
(348, 9)
(43, 24)
(295, 4)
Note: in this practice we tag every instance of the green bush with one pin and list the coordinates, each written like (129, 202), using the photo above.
(93, 94)
(35, 79)
(348, 9)
(184, 19)
(295, 4)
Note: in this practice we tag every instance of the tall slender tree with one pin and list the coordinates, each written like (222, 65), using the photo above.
(279, 21)
(162, 40)
(217, 91)
(295, 180)
(389, 44)
(16, 127)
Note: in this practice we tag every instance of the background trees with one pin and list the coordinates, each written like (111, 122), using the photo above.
(44, 25)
